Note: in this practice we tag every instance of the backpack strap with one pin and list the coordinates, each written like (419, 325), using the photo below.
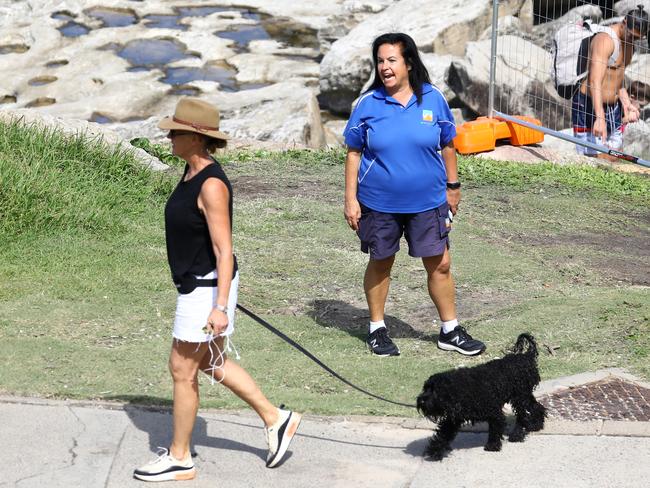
(613, 59)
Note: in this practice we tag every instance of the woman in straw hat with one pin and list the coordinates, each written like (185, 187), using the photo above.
(198, 231)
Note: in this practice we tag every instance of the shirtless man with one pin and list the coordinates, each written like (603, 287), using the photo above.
(601, 104)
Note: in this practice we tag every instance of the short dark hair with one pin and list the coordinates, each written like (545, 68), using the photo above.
(637, 19)
(418, 74)
(212, 144)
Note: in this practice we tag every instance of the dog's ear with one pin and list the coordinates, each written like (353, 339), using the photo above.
(427, 403)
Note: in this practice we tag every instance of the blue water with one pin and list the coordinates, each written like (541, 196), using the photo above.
(247, 14)
(182, 76)
(146, 54)
(62, 15)
(100, 118)
(245, 34)
(199, 11)
(152, 52)
(164, 22)
(112, 18)
(252, 86)
(74, 29)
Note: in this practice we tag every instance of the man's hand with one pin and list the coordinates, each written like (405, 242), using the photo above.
(631, 113)
(600, 129)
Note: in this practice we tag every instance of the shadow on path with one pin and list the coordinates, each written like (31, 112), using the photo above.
(158, 425)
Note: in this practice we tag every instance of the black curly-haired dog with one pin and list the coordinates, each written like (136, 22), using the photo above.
(479, 393)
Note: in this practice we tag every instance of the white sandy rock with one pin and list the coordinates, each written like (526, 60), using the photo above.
(624, 6)
(443, 28)
(267, 68)
(286, 113)
(522, 81)
(88, 80)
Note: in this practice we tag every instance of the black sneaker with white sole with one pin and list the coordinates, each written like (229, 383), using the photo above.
(460, 341)
(381, 344)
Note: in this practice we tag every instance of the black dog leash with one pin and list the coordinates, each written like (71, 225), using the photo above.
(293, 343)
(188, 282)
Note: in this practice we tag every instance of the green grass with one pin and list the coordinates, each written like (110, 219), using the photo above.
(86, 302)
(50, 184)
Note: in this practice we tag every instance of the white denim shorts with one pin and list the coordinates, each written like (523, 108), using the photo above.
(193, 310)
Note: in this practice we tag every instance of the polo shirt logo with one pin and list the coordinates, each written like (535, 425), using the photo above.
(427, 116)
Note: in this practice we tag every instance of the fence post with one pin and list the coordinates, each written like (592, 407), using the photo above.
(493, 57)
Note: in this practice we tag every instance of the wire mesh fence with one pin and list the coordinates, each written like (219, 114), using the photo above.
(582, 68)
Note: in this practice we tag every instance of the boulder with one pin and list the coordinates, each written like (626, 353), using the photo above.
(334, 132)
(542, 34)
(624, 6)
(636, 140)
(268, 68)
(522, 84)
(437, 67)
(354, 12)
(639, 69)
(441, 28)
(284, 113)
(507, 25)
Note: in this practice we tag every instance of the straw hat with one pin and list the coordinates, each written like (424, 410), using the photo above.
(195, 115)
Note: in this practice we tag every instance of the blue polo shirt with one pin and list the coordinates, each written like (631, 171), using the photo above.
(401, 169)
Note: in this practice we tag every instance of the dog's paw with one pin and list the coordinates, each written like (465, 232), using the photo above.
(517, 434)
(436, 450)
(493, 446)
(435, 456)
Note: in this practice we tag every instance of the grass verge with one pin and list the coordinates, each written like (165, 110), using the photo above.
(86, 302)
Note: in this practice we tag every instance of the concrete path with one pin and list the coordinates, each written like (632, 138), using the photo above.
(75, 444)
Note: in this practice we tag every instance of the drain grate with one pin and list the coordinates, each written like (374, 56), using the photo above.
(608, 399)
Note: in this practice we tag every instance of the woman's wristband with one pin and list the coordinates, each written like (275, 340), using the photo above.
(453, 185)
(222, 308)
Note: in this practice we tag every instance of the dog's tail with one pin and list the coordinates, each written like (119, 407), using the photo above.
(525, 344)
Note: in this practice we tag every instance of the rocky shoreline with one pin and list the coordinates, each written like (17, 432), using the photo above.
(284, 73)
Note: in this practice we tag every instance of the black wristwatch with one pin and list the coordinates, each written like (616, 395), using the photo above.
(453, 185)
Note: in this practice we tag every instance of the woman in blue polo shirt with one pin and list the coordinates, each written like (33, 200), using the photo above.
(401, 179)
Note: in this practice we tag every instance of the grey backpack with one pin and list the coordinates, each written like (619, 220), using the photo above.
(571, 54)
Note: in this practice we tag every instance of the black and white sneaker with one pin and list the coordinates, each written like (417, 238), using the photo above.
(280, 434)
(380, 344)
(460, 341)
(166, 468)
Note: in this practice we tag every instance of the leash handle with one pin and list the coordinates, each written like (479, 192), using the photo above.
(293, 343)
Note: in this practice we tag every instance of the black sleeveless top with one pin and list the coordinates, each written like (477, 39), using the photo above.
(189, 247)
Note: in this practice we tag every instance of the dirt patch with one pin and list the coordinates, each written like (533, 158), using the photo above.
(475, 304)
(615, 257)
(252, 187)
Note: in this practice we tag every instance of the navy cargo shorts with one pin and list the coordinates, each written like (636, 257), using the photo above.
(427, 233)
